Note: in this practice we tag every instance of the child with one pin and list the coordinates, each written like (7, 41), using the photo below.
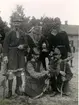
(60, 73)
(44, 55)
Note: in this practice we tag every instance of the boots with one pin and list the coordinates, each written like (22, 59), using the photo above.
(10, 88)
(18, 85)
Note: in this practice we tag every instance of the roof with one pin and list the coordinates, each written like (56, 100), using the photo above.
(70, 29)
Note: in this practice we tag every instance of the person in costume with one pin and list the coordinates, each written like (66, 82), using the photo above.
(58, 38)
(13, 52)
(60, 73)
(34, 79)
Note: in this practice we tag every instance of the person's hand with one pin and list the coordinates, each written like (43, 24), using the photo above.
(69, 54)
(62, 73)
(44, 73)
(20, 47)
(63, 79)
(5, 59)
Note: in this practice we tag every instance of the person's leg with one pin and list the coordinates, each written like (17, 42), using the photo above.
(71, 63)
(53, 85)
(10, 82)
(66, 89)
(18, 83)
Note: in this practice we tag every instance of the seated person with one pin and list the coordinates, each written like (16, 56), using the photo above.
(60, 73)
(44, 55)
(34, 79)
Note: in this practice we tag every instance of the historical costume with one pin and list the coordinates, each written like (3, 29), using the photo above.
(33, 38)
(35, 79)
(13, 52)
(60, 73)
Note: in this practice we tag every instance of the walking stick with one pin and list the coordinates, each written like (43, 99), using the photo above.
(63, 82)
(4, 86)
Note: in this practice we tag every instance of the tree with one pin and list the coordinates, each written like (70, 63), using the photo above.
(34, 21)
(19, 13)
(3, 29)
(47, 24)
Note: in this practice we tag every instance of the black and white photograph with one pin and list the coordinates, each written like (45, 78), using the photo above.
(39, 52)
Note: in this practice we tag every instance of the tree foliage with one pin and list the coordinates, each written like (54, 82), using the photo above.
(28, 23)
(3, 29)
(47, 24)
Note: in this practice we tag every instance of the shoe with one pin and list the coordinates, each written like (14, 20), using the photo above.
(53, 94)
(18, 92)
(9, 94)
(67, 94)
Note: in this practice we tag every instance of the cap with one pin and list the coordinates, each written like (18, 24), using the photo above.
(57, 51)
(17, 18)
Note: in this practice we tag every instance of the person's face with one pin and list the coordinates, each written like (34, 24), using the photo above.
(57, 56)
(16, 24)
(54, 32)
(36, 57)
(51, 53)
(44, 45)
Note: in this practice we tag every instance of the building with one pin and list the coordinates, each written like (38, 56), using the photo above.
(73, 33)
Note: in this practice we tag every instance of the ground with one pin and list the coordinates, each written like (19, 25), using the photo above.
(47, 100)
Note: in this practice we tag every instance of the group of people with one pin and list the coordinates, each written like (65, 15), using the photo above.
(41, 58)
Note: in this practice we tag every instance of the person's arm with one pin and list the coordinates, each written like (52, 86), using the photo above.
(33, 73)
(25, 42)
(69, 74)
(47, 63)
(65, 71)
(31, 44)
(6, 44)
(67, 42)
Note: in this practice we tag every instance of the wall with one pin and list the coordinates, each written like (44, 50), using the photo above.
(75, 40)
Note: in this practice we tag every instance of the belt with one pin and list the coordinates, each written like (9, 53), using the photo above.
(12, 47)
(61, 46)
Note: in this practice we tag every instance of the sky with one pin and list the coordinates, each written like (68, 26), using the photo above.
(64, 9)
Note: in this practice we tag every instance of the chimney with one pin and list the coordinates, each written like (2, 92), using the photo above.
(66, 22)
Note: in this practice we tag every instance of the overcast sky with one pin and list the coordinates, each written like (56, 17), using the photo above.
(65, 9)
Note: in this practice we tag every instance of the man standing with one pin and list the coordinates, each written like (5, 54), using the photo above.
(58, 38)
(13, 52)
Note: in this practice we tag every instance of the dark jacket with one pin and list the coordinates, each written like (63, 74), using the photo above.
(60, 40)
